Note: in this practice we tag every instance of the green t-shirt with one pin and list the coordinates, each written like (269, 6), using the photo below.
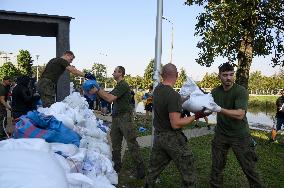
(54, 68)
(235, 98)
(123, 102)
(165, 100)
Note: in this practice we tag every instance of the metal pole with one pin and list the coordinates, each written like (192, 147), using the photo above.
(37, 72)
(158, 53)
(172, 43)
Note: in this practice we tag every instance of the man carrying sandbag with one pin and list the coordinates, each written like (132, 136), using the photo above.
(122, 121)
(232, 130)
(170, 144)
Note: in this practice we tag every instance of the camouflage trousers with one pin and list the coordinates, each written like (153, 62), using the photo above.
(243, 148)
(3, 115)
(122, 126)
(46, 89)
(171, 145)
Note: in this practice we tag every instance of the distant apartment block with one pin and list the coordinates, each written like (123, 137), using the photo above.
(7, 57)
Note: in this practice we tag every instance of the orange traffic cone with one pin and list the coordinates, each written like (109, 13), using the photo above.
(273, 134)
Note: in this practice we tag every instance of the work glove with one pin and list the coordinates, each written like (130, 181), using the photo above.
(213, 107)
(90, 76)
(200, 114)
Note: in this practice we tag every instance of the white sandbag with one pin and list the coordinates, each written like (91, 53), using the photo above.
(197, 99)
(75, 100)
(102, 181)
(78, 180)
(30, 169)
(36, 144)
(76, 161)
(189, 87)
(64, 149)
(67, 121)
(96, 145)
(97, 164)
(196, 102)
(63, 163)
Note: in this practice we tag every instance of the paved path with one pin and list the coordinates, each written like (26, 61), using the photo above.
(145, 141)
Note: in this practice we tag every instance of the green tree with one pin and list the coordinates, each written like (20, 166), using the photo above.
(254, 82)
(25, 62)
(100, 71)
(181, 78)
(209, 81)
(110, 82)
(40, 70)
(148, 75)
(240, 30)
(138, 82)
(8, 69)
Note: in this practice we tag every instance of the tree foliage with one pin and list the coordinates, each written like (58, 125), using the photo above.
(40, 70)
(148, 75)
(8, 69)
(25, 62)
(135, 82)
(210, 81)
(100, 71)
(181, 78)
(240, 30)
(258, 83)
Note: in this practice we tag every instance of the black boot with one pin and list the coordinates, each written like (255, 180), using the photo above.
(140, 171)
(117, 167)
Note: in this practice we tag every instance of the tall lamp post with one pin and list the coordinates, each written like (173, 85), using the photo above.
(172, 39)
(37, 72)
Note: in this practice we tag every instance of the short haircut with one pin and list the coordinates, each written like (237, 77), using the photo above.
(68, 52)
(168, 70)
(121, 69)
(226, 67)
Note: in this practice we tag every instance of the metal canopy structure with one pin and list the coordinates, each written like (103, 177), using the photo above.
(32, 24)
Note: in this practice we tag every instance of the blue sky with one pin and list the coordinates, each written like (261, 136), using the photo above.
(115, 32)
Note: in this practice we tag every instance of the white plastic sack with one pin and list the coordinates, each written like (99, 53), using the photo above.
(30, 169)
(64, 149)
(196, 102)
(36, 144)
(197, 99)
(78, 180)
(102, 181)
(189, 87)
(76, 161)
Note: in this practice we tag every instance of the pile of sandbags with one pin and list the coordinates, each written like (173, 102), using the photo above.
(88, 165)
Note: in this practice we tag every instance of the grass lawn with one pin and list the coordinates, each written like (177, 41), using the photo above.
(264, 97)
(262, 102)
(270, 165)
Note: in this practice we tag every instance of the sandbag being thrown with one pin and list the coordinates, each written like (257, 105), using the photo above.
(197, 98)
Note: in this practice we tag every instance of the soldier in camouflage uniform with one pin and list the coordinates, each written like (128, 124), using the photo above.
(232, 129)
(169, 141)
(53, 70)
(122, 121)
